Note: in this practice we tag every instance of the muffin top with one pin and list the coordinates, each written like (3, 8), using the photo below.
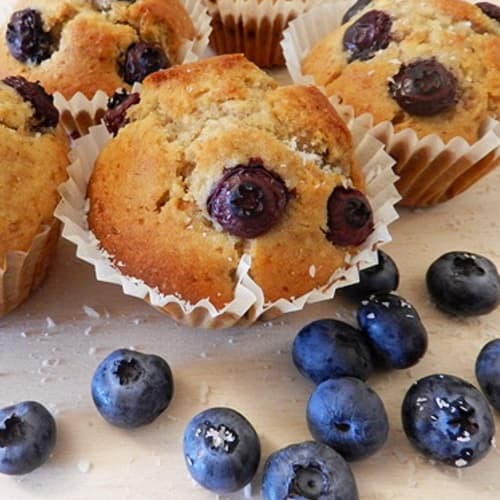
(33, 161)
(431, 65)
(87, 45)
(216, 161)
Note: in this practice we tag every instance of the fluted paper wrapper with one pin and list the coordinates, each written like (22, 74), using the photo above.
(78, 116)
(430, 171)
(21, 272)
(248, 303)
(254, 27)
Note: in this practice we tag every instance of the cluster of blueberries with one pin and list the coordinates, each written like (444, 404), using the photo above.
(444, 417)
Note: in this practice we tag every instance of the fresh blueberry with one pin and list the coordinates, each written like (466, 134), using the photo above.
(349, 217)
(118, 104)
(464, 284)
(222, 450)
(354, 9)
(308, 470)
(328, 348)
(28, 42)
(346, 414)
(397, 335)
(131, 389)
(45, 113)
(491, 10)
(368, 34)
(448, 419)
(488, 372)
(27, 437)
(380, 278)
(424, 87)
(141, 60)
(248, 200)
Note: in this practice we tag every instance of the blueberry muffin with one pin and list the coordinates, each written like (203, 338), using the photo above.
(87, 45)
(429, 66)
(33, 158)
(213, 161)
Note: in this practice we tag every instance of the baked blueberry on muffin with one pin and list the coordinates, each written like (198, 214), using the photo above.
(87, 45)
(429, 66)
(215, 161)
(33, 161)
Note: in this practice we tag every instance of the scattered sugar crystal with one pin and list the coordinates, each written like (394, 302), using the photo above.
(203, 354)
(87, 331)
(23, 335)
(137, 321)
(84, 466)
(50, 322)
(91, 312)
(91, 351)
(50, 362)
(312, 271)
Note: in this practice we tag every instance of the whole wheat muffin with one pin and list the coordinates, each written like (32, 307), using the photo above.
(426, 67)
(33, 161)
(90, 45)
(433, 66)
(212, 161)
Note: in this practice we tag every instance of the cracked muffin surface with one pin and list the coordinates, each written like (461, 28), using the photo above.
(433, 66)
(90, 45)
(33, 161)
(216, 161)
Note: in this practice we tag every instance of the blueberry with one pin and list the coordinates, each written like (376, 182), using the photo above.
(424, 87)
(488, 372)
(464, 283)
(118, 104)
(222, 450)
(131, 389)
(380, 278)
(46, 114)
(328, 348)
(354, 9)
(141, 60)
(27, 437)
(448, 419)
(349, 217)
(248, 200)
(346, 414)
(491, 10)
(308, 470)
(26, 39)
(368, 34)
(398, 337)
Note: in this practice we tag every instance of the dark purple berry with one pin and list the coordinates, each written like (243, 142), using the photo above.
(354, 9)
(490, 10)
(26, 38)
(141, 60)
(488, 372)
(248, 200)
(424, 87)
(448, 419)
(27, 437)
(371, 32)
(118, 104)
(394, 328)
(46, 114)
(350, 218)
(464, 283)
(381, 278)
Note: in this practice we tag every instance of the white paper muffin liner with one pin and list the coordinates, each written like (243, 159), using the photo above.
(254, 27)
(248, 303)
(430, 170)
(22, 271)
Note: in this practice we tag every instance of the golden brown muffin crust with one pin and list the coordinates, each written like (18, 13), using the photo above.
(148, 192)
(455, 32)
(92, 43)
(32, 165)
